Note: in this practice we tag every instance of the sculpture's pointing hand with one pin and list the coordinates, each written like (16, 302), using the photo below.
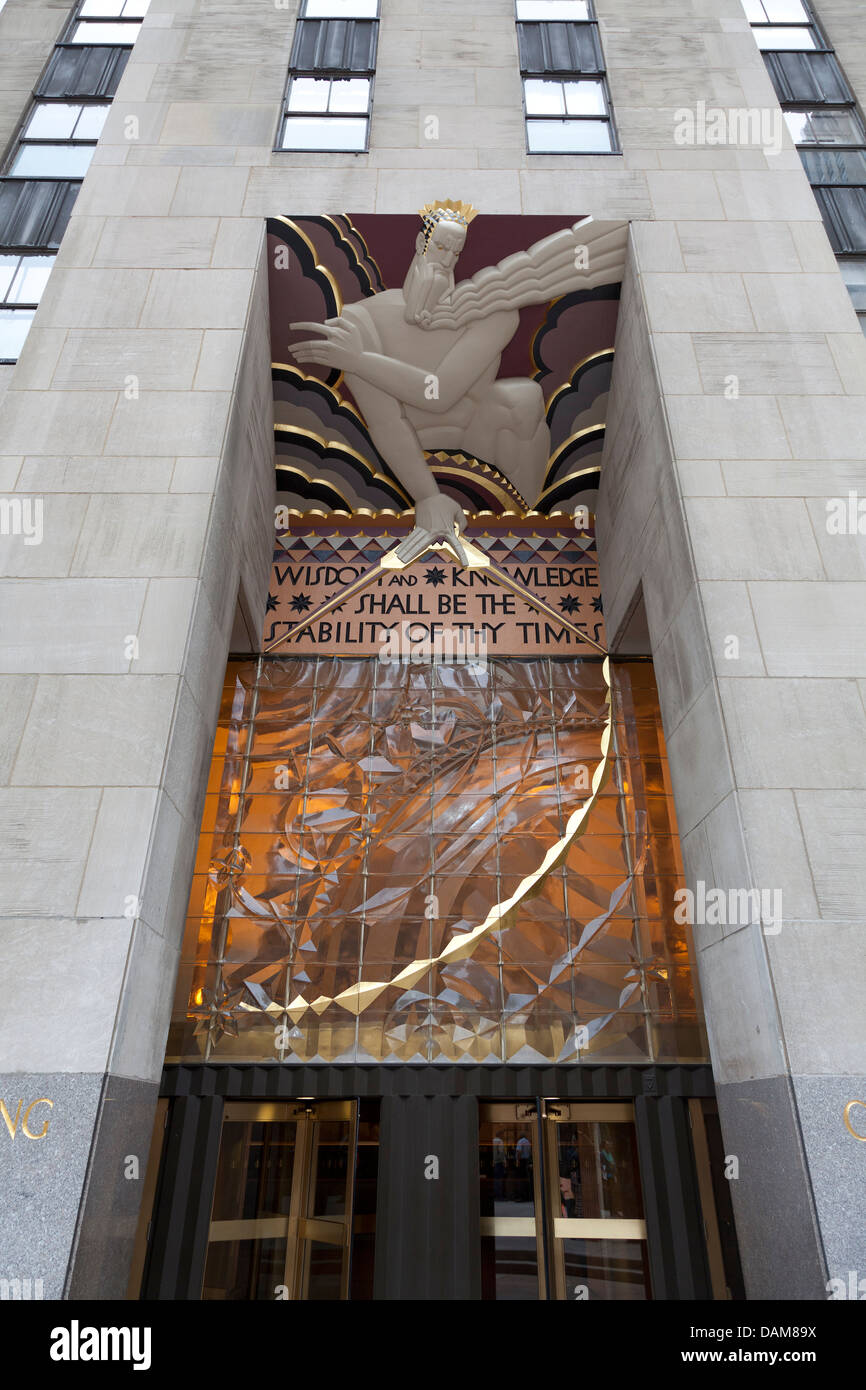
(440, 514)
(442, 518)
(339, 346)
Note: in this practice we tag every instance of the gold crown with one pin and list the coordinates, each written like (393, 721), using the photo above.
(446, 210)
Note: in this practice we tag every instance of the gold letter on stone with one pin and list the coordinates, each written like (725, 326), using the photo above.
(848, 1125)
(43, 1100)
(5, 1113)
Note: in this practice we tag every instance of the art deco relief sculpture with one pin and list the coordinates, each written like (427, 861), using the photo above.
(422, 361)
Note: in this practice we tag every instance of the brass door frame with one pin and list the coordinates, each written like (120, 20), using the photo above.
(522, 1112)
(328, 1230)
(300, 1227)
(549, 1228)
(556, 1112)
(700, 1149)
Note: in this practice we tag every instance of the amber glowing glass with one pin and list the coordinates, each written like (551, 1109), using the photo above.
(360, 817)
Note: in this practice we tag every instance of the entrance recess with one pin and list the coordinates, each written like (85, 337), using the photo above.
(281, 1220)
(561, 1204)
(617, 1195)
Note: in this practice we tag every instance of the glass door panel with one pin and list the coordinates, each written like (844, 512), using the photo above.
(608, 1269)
(512, 1258)
(282, 1209)
(595, 1153)
(598, 1245)
(561, 1205)
(325, 1226)
(252, 1203)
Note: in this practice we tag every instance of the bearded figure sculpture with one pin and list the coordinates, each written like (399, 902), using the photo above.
(422, 361)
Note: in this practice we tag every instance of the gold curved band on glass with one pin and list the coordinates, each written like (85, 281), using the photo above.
(358, 997)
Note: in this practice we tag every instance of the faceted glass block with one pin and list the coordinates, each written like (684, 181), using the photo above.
(344, 911)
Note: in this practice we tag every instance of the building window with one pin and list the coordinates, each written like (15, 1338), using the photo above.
(58, 140)
(22, 280)
(854, 275)
(329, 95)
(825, 125)
(124, 21)
(781, 24)
(565, 92)
(52, 152)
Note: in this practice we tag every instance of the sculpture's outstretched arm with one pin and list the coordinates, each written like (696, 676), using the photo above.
(436, 514)
(383, 387)
(395, 439)
(436, 390)
(584, 256)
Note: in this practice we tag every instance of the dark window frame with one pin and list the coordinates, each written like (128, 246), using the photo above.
(23, 141)
(20, 139)
(598, 75)
(820, 42)
(844, 233)
(9, 306)
(332, 74)
(810, 23)
(605, 117)
(44, 248)
(325, 75)
(76, 18)
(833, 149)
